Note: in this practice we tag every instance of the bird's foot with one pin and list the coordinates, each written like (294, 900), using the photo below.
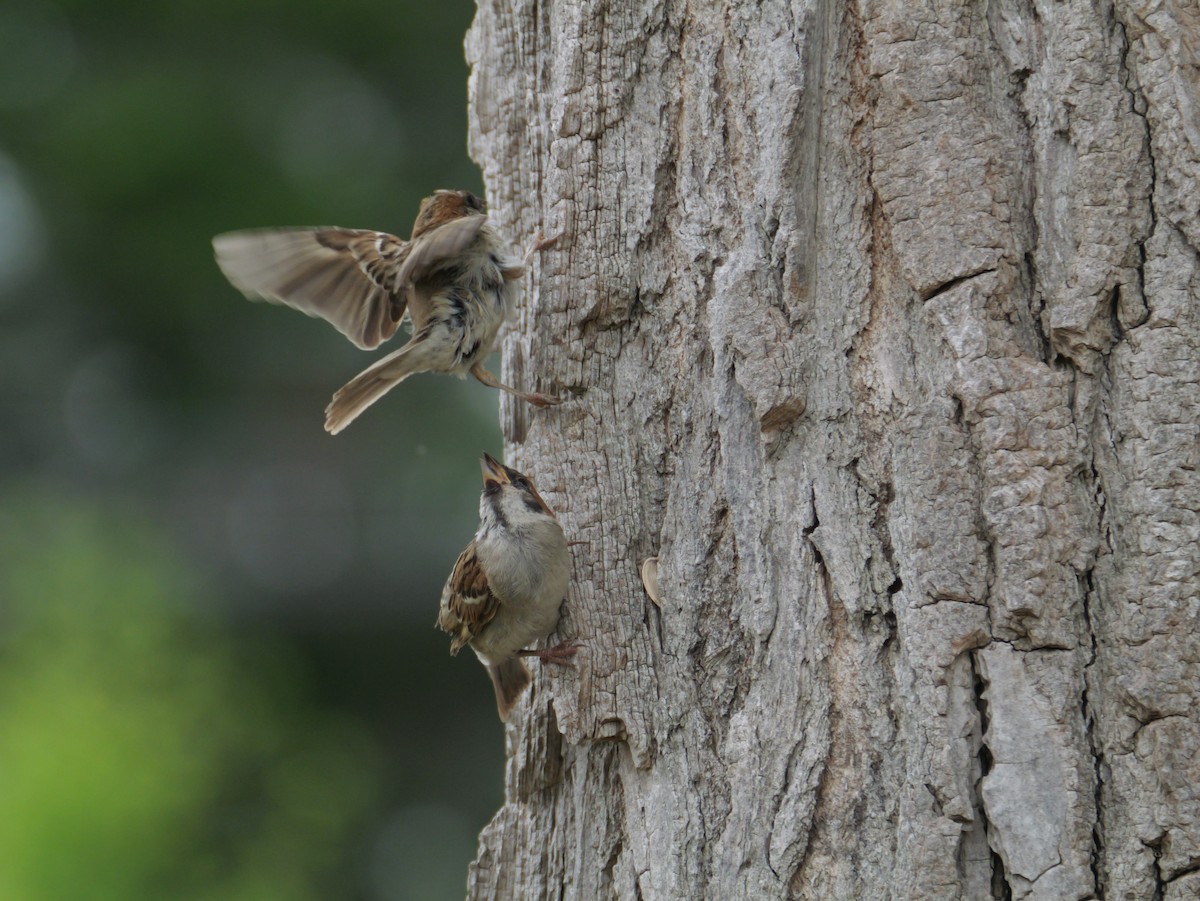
(539, 400)
(540, 243)
(559, 654)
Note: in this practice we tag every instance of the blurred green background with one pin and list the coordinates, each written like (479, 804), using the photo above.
(219, 676)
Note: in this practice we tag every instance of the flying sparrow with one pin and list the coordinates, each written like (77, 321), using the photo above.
(508, 585)
(454, 276)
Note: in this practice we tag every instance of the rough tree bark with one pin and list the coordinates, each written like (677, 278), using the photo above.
(881, 320)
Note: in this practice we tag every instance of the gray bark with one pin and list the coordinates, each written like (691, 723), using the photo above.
(880, 321)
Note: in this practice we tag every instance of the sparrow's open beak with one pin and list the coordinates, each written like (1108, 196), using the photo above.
(492, 470)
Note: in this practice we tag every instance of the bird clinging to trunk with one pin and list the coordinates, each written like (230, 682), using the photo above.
(507, 587)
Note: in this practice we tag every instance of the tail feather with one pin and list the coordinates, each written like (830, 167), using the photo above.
(366, 388)
(509, 679)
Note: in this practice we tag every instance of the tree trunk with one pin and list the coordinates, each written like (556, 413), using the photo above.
(881, 326)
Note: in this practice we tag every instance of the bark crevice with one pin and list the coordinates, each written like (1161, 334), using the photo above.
(1001, 889)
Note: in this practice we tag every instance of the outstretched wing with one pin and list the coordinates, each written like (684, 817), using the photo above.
(468, 604)
(436, 247)
(344, 276)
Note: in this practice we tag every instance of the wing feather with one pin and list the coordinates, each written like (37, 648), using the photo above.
(344, 276)
(437, 246)
(468, 604)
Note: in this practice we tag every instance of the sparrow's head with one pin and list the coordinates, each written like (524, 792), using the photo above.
(509, 497)
(443, 206)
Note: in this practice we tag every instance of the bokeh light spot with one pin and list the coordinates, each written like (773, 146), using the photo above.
(22, 240)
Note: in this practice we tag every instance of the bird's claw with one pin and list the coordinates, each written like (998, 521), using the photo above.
(560, 654)
(541, 242)
(543, 400)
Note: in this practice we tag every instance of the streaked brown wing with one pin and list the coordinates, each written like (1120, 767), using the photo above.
(344, 276)
(437, 246)
(468, 604)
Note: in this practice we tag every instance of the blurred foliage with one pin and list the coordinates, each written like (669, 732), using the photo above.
(218, 672)
(144, 752)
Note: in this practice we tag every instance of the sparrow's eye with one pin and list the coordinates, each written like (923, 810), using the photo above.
(521, 482)
(474, 203)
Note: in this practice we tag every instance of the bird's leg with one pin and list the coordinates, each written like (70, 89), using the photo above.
(540, 243)
(538, 400)
(560, 654)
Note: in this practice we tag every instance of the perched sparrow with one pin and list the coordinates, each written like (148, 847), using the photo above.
(507, 586)
(454, 276)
